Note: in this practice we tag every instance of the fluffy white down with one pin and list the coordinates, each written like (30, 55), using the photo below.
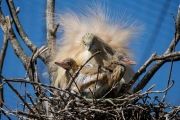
(96, 21)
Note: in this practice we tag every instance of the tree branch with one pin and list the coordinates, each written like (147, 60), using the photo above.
(50, 27)
(18, 25)
(4, 23)
(20, 30)
(168, 55)
(21, 98)
(51, 38)
(175, 56)
(16, 46)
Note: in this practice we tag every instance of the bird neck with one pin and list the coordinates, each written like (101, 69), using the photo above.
(69, 74)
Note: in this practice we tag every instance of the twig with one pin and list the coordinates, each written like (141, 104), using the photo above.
(21, 80)
(4, 23)
(77, 73)
(21, 98)
(5, 114)
(147, 77)
(173, 49)
(20, 113)
(175, 56)
(18, 49)
(30, 98)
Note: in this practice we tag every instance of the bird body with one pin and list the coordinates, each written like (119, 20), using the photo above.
(82, 36)
(92, 81)
(97, 22)
(86, 79)
(70, 67)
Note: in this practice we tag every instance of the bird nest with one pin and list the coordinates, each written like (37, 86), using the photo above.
(137, 106)
(67, 105)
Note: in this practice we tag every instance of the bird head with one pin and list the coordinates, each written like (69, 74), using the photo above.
(68, 64)
(90, 42)
(94, 44)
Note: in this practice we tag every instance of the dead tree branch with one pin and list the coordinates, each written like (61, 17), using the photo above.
(4, 23)
(50, 27)
(168, 55)
(20, 30)
(21, 98)
(18, 25)
(15, 44)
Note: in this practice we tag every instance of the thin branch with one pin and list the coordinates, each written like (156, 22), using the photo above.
(15, 44)
(21, 80)
(2, 57)
(20, 30)
(32, 102)
(3, 51)
(175, 56)
(23, 114)
(166, 58)
(18, 49)
(18, 25)
(4, 23)
(21, 98)
(147, 77)
(5, 114)
(77, 73)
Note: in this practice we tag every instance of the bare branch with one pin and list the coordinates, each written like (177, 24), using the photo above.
(175, 56)
(16, 46)
(51, 29)
(3, 51)
(21, 98)
(18, 25)
(18, 49)
(20, 30)
(20, 113)
(4, 23)
(21, 80)
(162, 59)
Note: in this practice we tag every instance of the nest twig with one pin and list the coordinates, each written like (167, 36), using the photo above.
(133, 106)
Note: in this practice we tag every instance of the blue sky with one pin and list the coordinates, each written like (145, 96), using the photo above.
(155, 17)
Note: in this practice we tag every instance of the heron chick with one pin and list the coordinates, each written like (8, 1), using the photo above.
(104, 34)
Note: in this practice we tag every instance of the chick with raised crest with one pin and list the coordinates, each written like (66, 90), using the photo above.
(83, 35)
(107, 55)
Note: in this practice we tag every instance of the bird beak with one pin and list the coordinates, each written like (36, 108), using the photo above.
(62, 64)
(128, 61)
